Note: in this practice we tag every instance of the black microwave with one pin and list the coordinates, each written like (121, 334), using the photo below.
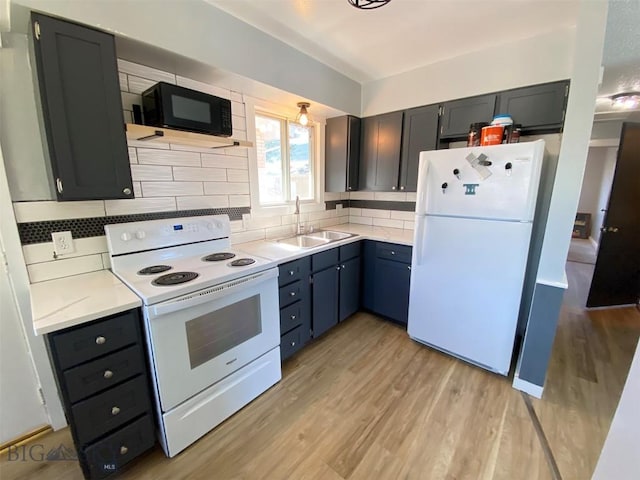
(172, 106)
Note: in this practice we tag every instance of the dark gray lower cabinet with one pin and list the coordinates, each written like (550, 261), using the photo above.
(387, 273)
(101, 371)
(295, 312)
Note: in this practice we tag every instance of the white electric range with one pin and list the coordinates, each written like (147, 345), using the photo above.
(211, 319)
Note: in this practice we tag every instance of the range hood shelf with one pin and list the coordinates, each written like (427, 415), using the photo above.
(152, 135)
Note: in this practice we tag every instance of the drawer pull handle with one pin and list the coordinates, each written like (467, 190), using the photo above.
(108, 374)
(293, 344)
(123, 450)
(291, 272)
(293, 294)
(293, 317)
(100, 340)
(115, 411)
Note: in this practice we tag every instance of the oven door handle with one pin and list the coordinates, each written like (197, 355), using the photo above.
(212, 293)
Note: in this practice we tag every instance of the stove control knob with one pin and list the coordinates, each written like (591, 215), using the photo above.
(217, 224)
(140, 234)
(125, 237)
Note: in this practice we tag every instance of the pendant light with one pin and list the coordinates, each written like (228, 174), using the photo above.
(368, 4)
(303, 116)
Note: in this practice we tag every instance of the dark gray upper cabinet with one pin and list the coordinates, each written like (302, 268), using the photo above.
(380, 153)
(458, 115)
(538, 108)
(82, 109)
(342, 154)
(420, 133)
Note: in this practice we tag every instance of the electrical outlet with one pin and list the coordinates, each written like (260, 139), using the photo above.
(62, 243)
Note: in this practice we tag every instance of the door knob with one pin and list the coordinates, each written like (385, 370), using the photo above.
(612, 229)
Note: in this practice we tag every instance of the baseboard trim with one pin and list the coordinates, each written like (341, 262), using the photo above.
(594, 243)
(27, 437)
(527, 387)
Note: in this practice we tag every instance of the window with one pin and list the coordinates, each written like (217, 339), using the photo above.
(285, 160)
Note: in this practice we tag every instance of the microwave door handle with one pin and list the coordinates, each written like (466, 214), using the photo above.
(215, 292)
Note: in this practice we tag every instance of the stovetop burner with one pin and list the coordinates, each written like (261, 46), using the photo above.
(153, 269)
(242, 262)
(218, 257)
(174, 278)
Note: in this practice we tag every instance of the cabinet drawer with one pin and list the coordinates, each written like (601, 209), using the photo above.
(92, 377)
(323, 260)
(291, 342)
(291, 293)
(108, 410)
(349, 251)
(292, 316)
(390, 251)
(87, 342)
(292, 271)
(112, 453)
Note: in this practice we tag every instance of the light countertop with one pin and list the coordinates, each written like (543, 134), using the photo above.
(66, 302)
(281, 253)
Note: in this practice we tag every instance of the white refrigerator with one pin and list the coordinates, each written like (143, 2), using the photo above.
(474, 215)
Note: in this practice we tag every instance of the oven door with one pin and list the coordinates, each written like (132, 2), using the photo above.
(200, 338)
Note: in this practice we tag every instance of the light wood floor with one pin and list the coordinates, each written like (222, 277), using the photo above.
(365, 402)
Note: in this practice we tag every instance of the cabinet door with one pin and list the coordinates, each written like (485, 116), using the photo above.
(420, 133)
(349, 288)
(342, 153)
(82, 110)
(458, 115)
(392, 289)
(380, 159)
(537, 108)
(325, 300)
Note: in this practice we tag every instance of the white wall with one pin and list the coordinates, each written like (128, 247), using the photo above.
(610, 156)
(575, 142)
(535, 60)
(620, 456)
(214, 38)
(590, 191)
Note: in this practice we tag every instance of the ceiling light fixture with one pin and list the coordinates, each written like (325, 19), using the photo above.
(368, 4)
(627, 100)
(303, 116)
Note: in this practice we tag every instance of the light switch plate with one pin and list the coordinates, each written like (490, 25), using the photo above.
(62, 243)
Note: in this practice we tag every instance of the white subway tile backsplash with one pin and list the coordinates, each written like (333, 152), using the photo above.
(204, 87)
(323, 214)
(330, 196)
(49, 210)
(261, 222)
(200, 174)
(145, 72)
(151, 156)
(43, 252)
(130, 99)
(224, 161)
(355, 211)
(145, 144)
(250, 236)
(140, 205)
(167, 189)
(409, 225)
(361, 195)
(399, 215)
(106, 261)
(239, 123)
(279, 232)
(203, 201)
(372, 212)
(385, 222)
(39, 272)
(390, 196)
(361, 220)
(239, 201)
(239, 134)
(237, 226)
(412, 196)
(237, 108)
(151, 172)
(237, 152)
(236, 97)
(133, 155)
(219, 188)
(137, 85)
(122, 80)
(137, 189)
(234, 175)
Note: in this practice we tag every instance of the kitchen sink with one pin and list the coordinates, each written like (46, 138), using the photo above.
(315, 239)
(304, 241)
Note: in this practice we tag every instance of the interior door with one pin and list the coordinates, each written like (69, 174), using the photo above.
(616, 278)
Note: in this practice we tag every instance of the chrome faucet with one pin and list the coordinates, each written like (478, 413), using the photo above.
(299, 227)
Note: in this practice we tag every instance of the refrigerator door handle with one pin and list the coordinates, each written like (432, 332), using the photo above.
(421, 221)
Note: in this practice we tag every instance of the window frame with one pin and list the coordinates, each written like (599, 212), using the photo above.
(258, 107)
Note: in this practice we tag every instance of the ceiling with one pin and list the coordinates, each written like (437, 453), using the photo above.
(368, 45)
